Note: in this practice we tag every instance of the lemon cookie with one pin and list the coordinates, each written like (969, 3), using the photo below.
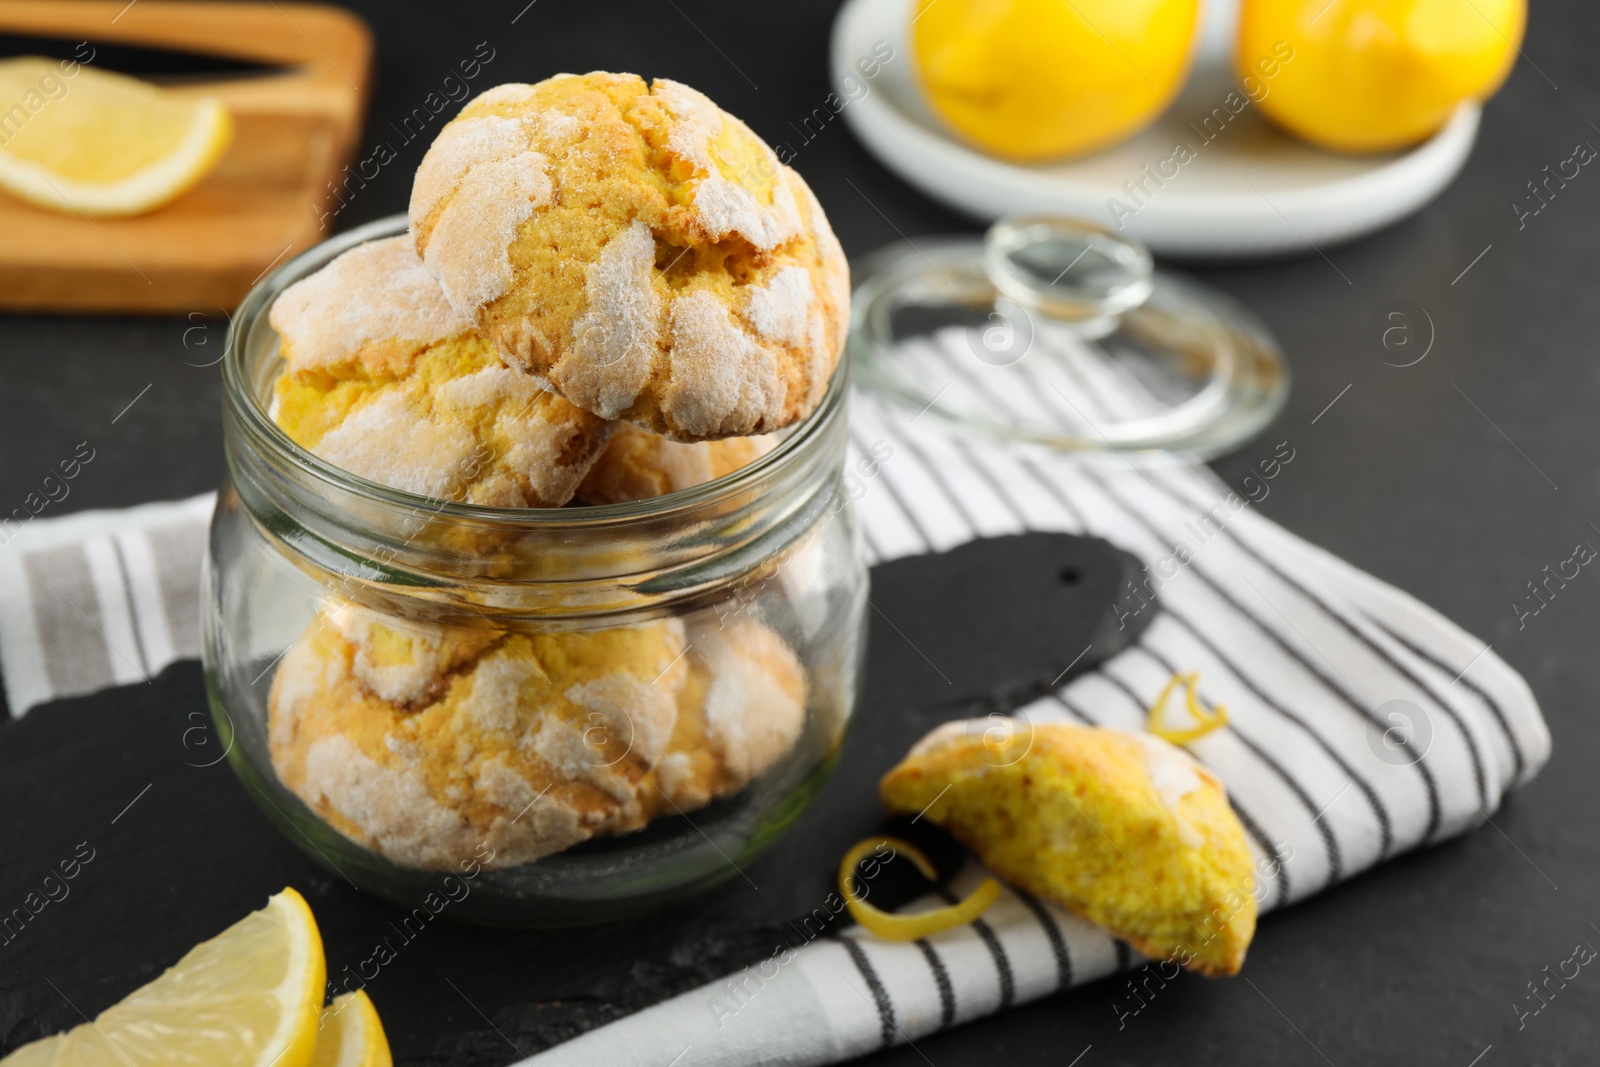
(386, 380)
(424, 743)
(638, 464)
(1123, 829)
(742, 709)
(638, 250)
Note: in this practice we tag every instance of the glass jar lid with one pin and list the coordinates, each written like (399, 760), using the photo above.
(1059, 332)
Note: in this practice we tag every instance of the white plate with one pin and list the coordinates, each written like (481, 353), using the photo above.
(1249, 191)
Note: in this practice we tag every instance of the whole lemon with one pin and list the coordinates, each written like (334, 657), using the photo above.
(1371, 75)
(1041, 79)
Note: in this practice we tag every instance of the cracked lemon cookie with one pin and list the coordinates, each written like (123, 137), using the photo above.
(638, 464)
(386, 380)
(637, 250)
(423, 743)
(1123, 829)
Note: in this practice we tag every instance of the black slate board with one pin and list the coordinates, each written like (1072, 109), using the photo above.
(179, 852)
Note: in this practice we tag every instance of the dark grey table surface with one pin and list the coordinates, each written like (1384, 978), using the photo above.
(1457, 479)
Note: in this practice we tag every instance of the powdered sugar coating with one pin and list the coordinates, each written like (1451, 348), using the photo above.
(378, 291)
(387, 442)
(391, 803)
(614, 342)
(403, 661)
(529, 743)
(1174, 775)
(659, 201)
(627, 711)
(780, 311)
(825, 332)
(720, 379)
(387, 381)
(459, 147)
(755, 704)
(473, 234)
(724, 203)
(548, 828)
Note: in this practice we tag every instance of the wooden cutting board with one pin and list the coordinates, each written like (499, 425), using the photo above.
(295, 128)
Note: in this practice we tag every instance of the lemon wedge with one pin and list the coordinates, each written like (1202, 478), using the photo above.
(351, 1034)
(249, 997)
(98, 143)
(36, 1054)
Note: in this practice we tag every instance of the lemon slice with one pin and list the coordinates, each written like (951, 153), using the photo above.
(101, 143)
(249, 997)
(351, 1035)
(36, 1054)
(892, 927)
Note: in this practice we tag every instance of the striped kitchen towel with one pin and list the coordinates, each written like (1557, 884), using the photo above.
(1361, 723)
(99, 598)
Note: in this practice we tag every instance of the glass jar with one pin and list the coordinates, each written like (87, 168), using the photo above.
(526, 716)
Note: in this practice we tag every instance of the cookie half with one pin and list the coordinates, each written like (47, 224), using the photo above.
(1123, 829)
(639, 251)
(386, 380)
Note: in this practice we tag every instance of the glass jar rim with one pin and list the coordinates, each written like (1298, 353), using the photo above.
(386, 544)
(246, 404)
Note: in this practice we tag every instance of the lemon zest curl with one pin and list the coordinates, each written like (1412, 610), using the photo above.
(895, 927)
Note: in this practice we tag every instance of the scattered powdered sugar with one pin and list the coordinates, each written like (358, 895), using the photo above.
(779, 310)
(469, 247)
(536, 455)
(720, 381)
(528, 417)
(496, 781)
(386, 441)
(615, 341)
(460, 146)
(399, 746)
(377, 291)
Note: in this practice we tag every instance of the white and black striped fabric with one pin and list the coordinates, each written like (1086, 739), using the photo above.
(99, 598)
(1318, 664)
(1322, 669)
